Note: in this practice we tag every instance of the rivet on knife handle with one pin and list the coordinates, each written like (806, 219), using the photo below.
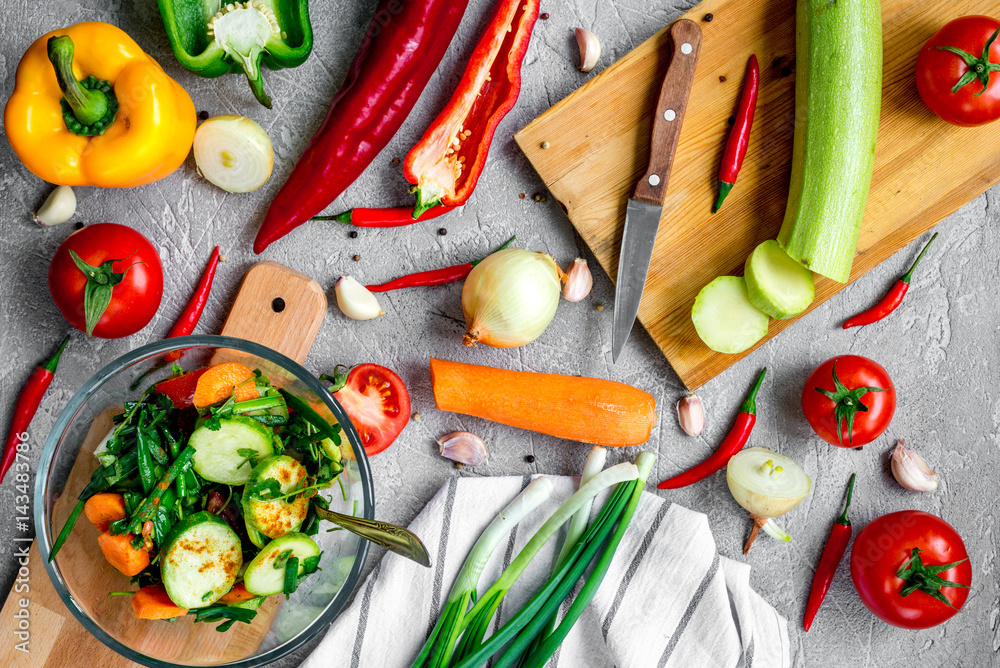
(685, 41)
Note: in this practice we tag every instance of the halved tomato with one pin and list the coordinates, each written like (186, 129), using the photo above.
(377, 402)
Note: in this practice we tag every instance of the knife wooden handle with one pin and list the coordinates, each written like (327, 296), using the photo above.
(685, 43)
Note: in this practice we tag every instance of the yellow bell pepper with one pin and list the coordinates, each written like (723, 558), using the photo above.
(125, 124)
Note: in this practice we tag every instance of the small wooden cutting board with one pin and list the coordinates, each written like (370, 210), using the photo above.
(596, 145)
(57, 639)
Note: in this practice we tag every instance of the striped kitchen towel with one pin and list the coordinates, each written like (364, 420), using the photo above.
(668, 600)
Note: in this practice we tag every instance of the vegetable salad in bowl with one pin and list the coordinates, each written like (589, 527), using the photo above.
(204, 485)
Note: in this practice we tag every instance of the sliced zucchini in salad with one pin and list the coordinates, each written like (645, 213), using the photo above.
(228, 454)
(264, 507)
(199, 560)
(265, 574)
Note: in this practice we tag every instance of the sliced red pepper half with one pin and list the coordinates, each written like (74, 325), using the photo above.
(445, 164)
(180, 389)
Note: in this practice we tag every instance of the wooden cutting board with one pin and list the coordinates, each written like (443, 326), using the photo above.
(57, 639)
(597, 145)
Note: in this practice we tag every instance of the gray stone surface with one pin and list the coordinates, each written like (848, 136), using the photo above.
(941, 347)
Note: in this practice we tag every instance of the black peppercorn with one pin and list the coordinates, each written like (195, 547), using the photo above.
(203, 115)
(78, 225)
(442, 231)
(530, 459)
(708, 18)
(353, 234)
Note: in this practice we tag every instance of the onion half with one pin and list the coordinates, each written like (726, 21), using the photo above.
(768, 485)
(234, 153)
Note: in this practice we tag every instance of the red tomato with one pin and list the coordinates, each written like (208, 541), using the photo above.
(886, 545)
(378, 404)
(939, 70)
(858, 377)
(134, 300)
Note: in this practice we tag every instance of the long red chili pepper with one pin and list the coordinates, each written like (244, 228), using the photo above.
(394, 217)
(731, 444)
(26, 406)
(739, 136)
(446, 163)
(192, 312)
(441, 276)
(833, 553)
(892, 299)
(399, 53)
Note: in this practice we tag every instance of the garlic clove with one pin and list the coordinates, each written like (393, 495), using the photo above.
(910, 470)
(58, 207)
(590, 49)
(578, 281)
(355, 300)
(463, 447)
(691, 415)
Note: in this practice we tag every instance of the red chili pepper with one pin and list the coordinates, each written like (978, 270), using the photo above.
(441, 276)
(394, 217)
(399, 53)
(731, 444)
(892, 299)
(739, 136)
(26, 406)
(191, 314)
(833, 553)
(446, 163)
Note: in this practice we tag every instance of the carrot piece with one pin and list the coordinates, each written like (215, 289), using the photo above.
(236, 594)
(152, 602)
(119, 552)
(222, 380)
(591, 410)
(104, 508)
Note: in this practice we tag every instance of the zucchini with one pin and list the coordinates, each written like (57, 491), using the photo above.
(199, 560)
(277, 517)
(838, 92)
(229, 453)
(265, 574)
(776, 284)
(724, 317)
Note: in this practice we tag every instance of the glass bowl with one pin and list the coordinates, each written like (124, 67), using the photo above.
(82, 576)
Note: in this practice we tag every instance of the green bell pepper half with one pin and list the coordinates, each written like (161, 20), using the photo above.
(212, 38)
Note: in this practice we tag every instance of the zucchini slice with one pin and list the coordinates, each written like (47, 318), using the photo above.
(776, 284)
(265, 574)
(199, 560)
(227, 455)
(277, 517)
(724, 317)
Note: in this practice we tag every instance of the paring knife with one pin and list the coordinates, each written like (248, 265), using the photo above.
(642, 216)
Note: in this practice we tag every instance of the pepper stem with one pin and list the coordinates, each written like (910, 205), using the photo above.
(750, 405)
(505, 244)
(89, 106)
(906, 277)
(51, 363)
(724, 189)
(342, 217)
(425, 201)
(843, 519)
(257, 87)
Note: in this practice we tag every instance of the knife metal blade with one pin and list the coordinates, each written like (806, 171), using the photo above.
(642, 215)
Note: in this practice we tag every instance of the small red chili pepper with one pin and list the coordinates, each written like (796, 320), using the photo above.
(397, 57)
(445, 164)
(833, 553)
(892, 299)
(739, 136)
(441, 276)
(394, 217)
(731, 444)
(26, 406)
(192, 312)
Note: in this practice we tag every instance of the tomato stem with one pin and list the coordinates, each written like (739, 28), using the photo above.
(979, 68)
(848, 403)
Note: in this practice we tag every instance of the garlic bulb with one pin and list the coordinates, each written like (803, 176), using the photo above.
(578, 281)
(510, 298)
(355, 300)
(463, 447)
(768, 485)
(910, 470)
(58, 207)
(590, 49)
(691, 415)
